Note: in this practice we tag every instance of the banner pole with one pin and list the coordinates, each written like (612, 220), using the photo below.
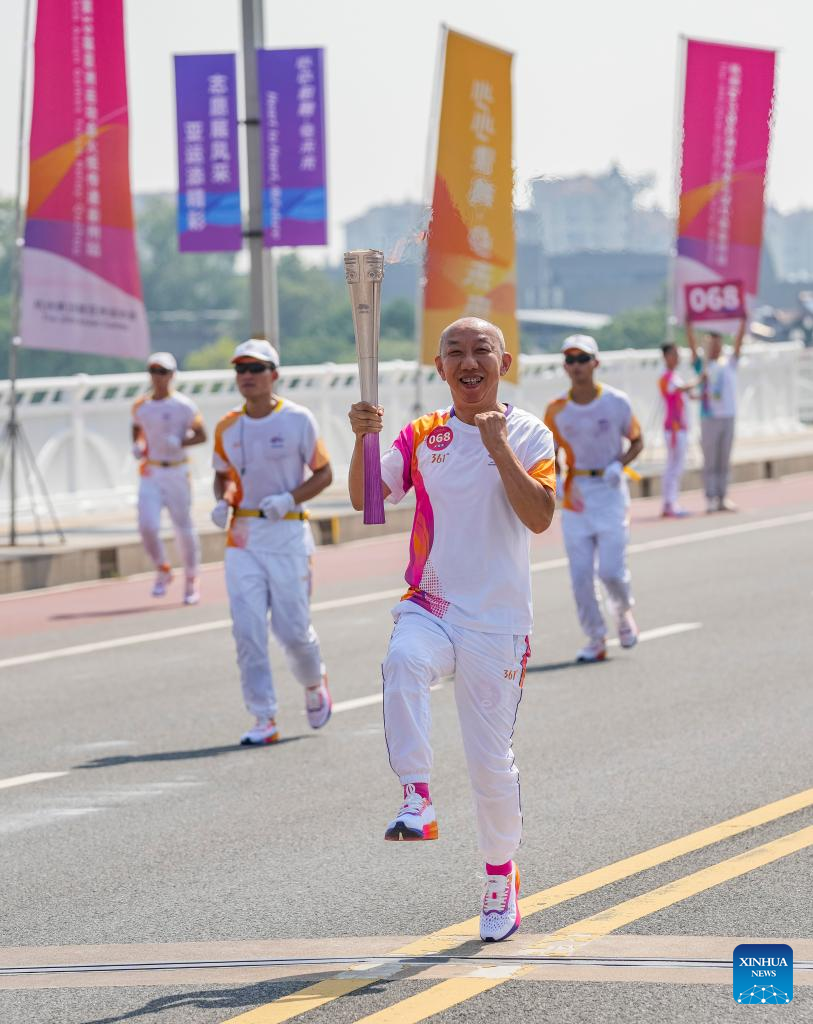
(12, 428)
(677, 163)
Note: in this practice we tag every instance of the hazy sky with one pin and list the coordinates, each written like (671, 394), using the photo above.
(594, 82)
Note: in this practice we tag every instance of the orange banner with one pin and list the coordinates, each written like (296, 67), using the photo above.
(470, 254)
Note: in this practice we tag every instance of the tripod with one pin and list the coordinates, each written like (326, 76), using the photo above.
(14, 449)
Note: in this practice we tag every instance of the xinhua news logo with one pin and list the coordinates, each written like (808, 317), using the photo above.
(763, 973)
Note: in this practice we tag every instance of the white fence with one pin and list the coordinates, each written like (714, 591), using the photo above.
(79, 427)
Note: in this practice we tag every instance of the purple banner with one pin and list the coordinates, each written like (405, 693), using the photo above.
(208, 171)
(292, 116)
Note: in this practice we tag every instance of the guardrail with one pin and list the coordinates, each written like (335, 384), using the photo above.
(78, 427)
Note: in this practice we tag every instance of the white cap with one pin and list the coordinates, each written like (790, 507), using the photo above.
(163, 359)
(582, 342)
(256, 348)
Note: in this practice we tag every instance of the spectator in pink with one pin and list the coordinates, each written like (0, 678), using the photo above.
(672, 389)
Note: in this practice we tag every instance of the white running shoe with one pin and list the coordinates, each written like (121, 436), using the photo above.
(163, 578)
(318, 705)
(415, 820)
(191, 594)
(712, 505)
(727, 506)
(596, 650)
(500, 916)
(627, 630)
(263, 731)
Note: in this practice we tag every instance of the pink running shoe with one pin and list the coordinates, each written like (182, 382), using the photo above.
(500, 916)
(415, 820)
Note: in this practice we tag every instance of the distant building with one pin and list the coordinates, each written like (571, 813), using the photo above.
(598, 213)
(789, 237)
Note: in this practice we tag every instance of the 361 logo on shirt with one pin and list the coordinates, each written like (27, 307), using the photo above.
(439, 438)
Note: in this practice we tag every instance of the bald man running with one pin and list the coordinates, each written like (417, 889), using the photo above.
(483, 476)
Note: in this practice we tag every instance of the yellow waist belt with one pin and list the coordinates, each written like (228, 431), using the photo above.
(158, 462)
(633, 474)
(257, 513)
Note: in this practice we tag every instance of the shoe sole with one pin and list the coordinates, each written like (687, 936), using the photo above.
(260, 743)
(399, 833)
(516, 923)
(626, 644)
(592, 661)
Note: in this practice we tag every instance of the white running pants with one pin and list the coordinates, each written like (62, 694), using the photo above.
(168, 487)
(677, 443)
(596, 539)
(488, 670)
(259, 582)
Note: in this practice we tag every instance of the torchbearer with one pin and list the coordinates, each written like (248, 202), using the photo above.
(590, 425)
(483, 476)
(164, 424)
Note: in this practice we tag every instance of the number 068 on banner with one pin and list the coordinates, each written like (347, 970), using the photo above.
(715, 300)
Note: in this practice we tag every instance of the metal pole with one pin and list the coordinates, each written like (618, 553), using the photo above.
(263, 277)
(16, 285)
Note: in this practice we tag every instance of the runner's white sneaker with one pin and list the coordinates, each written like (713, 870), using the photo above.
(318, 705)
(500, 916)
(415, 820)
(263, 731)
(163, 578)
(191, 594)
(596, 650)
(627, 630)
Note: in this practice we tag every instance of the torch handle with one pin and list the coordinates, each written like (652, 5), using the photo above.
(373, 492)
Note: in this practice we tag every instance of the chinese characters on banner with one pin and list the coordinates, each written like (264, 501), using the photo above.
(81, 290)
(727, 106)
(209, 217)
(470, 255)
(292, 118)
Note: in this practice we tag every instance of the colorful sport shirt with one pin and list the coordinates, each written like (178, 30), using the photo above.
(469, 553)
(163, 423)
(670, 385)
(264, 456)
(591, 435)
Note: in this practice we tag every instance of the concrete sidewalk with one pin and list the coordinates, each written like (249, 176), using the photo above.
(103, 546)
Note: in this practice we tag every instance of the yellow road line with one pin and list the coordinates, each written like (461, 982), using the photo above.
(291, 1006)
(458, 990)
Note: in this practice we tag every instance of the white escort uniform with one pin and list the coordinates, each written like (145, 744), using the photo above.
(467, 611)
(268, 563)
(165, 481)
(595, 519)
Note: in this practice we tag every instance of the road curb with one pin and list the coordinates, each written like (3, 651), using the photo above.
(54, 566)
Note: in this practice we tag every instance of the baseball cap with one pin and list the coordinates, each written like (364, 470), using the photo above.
(256, 348)
(582, 342)
(166, 360)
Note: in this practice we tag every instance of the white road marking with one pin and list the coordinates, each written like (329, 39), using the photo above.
(661, 631)
(23, 780)
(365, 702)
(380, 595)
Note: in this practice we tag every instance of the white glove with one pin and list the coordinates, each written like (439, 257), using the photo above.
(276, 506)
(220, 514)
(613, 473)
(138, 451)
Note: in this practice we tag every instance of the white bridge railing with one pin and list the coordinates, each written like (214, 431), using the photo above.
(78, 428)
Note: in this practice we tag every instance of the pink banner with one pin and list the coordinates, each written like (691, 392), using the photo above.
(81, 290)
(727, 108)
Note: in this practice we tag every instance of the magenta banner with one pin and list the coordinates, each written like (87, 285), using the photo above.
(81, 289)
(208, 171)
(292, 116)
(727, 109)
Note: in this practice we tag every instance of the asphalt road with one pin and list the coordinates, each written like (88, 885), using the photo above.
(149, 836)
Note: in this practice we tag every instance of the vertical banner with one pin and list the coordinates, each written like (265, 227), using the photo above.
(470, 254)
(727, 106)
(292, 119)
(81, 289)
(209, 217)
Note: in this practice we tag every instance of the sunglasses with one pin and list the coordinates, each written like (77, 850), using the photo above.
(581, 358)
(252, 367)
(159, 371)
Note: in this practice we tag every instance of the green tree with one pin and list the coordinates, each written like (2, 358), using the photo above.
(635, 328)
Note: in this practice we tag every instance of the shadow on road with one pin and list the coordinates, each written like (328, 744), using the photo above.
(556, 666)
(183, 755)
(109, 612)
